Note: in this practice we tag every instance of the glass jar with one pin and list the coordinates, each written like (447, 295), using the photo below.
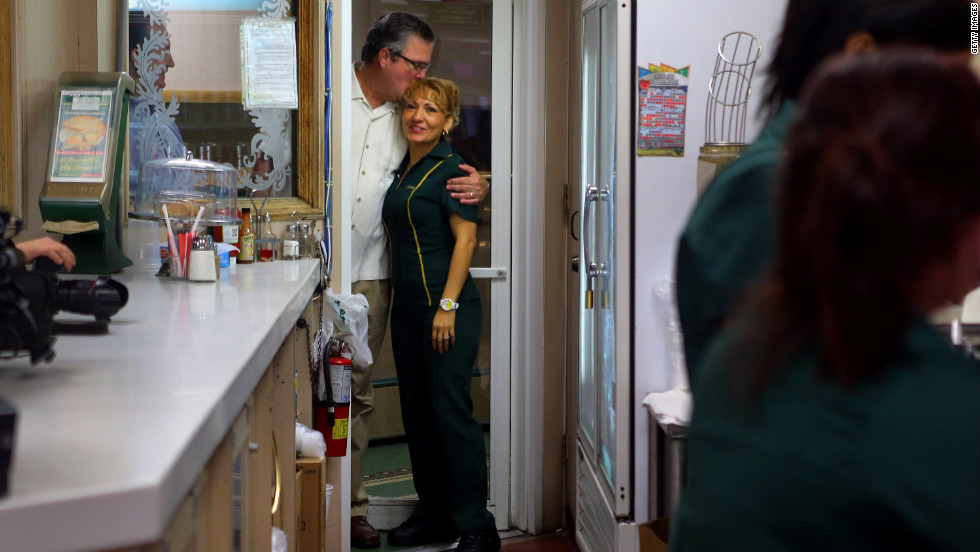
(305, 241)
(290, 243)
(268, 242)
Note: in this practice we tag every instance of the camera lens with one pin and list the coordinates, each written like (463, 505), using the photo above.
(101, 298)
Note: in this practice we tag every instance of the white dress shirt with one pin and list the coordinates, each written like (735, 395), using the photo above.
(379, 147)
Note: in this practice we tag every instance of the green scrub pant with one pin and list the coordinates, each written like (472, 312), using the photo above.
(445, 442)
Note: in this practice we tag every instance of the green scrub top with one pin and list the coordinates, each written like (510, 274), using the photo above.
(893, 464)
(416, 215)
(728, 241)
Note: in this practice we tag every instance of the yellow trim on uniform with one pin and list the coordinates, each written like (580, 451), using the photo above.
(415, 234)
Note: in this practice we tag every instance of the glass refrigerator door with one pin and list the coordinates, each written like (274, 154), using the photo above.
(603, 370)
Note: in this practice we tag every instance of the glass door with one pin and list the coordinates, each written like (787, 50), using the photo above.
(604, 324)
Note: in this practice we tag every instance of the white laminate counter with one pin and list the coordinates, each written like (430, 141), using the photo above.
(114, 432)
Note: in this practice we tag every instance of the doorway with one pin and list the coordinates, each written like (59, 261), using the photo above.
(473, 49)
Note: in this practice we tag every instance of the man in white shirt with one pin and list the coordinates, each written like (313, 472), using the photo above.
(397, 51)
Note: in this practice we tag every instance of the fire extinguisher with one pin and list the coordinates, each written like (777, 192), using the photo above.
(332, 412)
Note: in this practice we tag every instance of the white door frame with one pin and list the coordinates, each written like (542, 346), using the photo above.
(528, 258)
(500, 278)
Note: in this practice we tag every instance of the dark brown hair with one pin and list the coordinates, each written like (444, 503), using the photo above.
(879, 181)
(813, 30)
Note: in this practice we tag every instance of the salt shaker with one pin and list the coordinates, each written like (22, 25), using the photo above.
(201, 266)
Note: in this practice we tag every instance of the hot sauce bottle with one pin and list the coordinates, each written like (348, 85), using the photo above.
(246, 238)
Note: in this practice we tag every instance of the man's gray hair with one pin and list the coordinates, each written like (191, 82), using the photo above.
(392, 31)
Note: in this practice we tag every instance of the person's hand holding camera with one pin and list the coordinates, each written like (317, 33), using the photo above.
(46, 247)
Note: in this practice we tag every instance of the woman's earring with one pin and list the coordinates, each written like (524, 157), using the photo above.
(445, 134)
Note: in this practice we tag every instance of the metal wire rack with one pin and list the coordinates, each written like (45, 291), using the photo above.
(730, 88)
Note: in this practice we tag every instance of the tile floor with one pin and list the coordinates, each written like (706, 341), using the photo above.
(561, 541)
(556, 542)
(383, 467)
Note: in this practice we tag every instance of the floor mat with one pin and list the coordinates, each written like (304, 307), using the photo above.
(387, 471)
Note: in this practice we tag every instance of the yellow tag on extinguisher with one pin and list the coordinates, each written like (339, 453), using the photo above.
(340, 429)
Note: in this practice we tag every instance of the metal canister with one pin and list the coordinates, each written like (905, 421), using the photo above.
(712, 158)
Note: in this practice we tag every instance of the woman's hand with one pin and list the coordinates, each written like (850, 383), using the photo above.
(443, 330)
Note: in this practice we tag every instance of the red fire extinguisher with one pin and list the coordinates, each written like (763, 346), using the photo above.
(332, 413)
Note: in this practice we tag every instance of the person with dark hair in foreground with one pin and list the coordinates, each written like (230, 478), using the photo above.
(728, 240)
(829, 414)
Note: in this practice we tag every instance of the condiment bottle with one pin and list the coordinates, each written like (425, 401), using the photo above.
(269, 242)
(246, 239)
(229, 235)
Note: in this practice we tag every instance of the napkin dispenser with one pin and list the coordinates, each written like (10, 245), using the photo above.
(82, 191)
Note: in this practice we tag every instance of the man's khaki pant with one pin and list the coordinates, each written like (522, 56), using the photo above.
(378, 295)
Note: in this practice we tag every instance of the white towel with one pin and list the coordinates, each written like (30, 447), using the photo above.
(670, 407)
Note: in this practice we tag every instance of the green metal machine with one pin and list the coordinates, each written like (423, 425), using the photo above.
(82, 192)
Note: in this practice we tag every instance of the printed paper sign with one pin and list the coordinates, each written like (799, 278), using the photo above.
(269, 63)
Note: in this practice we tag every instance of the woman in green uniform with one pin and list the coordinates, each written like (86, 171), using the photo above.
(830, 415)
(435, 328)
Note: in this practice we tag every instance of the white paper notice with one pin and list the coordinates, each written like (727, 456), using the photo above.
(269, 63)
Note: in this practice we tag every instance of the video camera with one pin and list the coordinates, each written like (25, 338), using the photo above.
(29, 300)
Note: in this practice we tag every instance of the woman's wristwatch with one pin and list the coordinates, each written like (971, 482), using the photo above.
(448, 305)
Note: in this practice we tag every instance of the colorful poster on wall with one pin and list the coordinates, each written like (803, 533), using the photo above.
(662, 114)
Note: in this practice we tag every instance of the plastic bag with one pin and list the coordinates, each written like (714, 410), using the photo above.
(280, 542)
(309, 442)
(346, 319)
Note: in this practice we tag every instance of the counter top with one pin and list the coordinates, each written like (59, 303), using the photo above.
(113, 433)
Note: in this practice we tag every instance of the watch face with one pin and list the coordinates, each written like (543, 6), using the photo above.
(447, 305)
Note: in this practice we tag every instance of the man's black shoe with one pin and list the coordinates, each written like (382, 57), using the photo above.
(479, 541)
(416, 533)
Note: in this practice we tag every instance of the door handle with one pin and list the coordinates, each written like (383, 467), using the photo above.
(592, 195)
(488, 273)
(574, 263)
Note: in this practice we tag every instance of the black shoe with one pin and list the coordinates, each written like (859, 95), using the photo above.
(415, 533)
(479, 541)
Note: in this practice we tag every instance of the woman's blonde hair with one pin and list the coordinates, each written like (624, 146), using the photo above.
(444, 93)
